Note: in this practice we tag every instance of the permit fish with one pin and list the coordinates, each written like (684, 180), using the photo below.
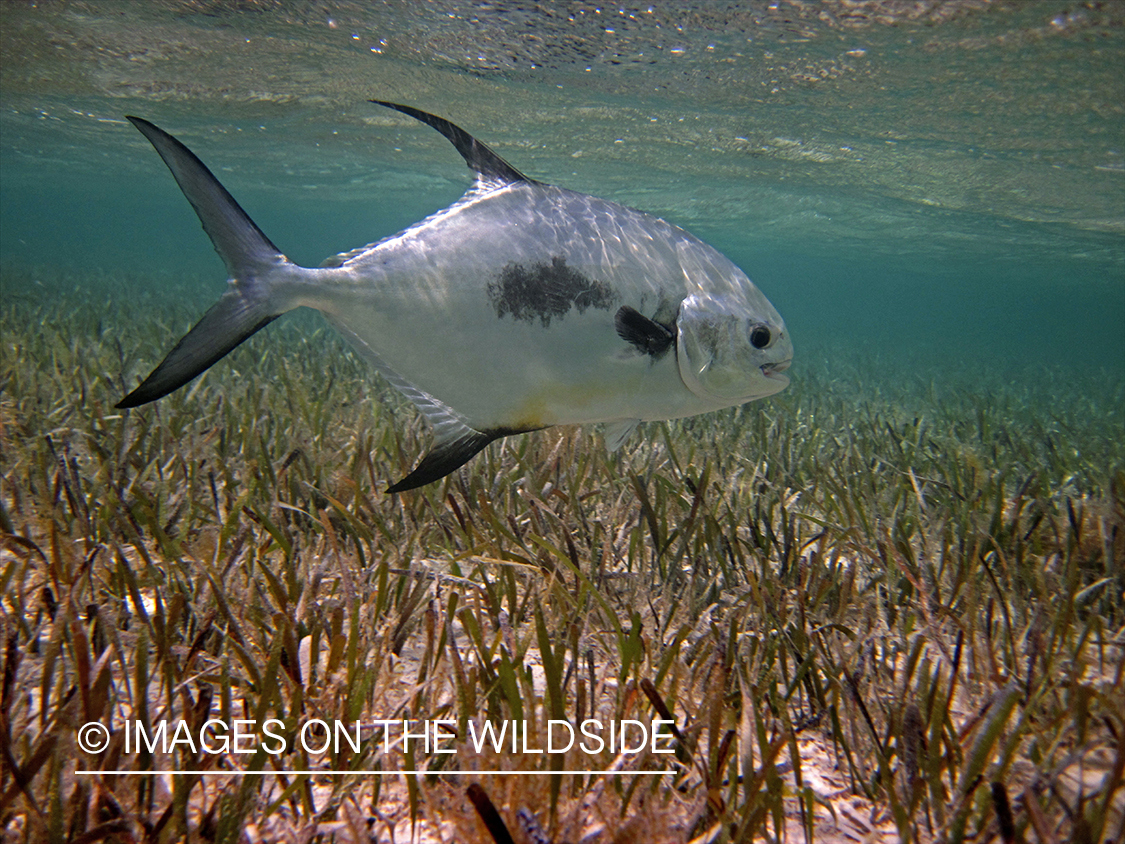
(521, 306)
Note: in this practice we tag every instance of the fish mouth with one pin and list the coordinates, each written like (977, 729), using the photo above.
(774, 370)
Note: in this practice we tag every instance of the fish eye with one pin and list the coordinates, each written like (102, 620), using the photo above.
(760, 336)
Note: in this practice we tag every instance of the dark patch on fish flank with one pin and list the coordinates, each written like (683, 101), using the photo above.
(546, 291)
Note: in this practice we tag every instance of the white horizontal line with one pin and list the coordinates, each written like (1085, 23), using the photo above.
(213, 773)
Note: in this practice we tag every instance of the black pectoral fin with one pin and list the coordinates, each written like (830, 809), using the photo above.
(646, 335)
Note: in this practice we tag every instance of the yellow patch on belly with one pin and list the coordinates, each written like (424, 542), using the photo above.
(560, 404)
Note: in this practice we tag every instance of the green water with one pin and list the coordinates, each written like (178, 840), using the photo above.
(938, 185)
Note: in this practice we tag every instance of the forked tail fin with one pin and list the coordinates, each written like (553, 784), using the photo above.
(250, 258)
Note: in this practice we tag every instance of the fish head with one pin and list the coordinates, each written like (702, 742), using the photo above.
(732, 348)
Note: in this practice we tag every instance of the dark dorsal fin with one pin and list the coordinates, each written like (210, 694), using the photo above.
(481, 160)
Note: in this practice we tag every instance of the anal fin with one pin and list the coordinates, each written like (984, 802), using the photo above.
(447, 456)
(455, 441)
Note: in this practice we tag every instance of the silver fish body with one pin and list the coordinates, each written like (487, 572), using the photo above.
(522, 306)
